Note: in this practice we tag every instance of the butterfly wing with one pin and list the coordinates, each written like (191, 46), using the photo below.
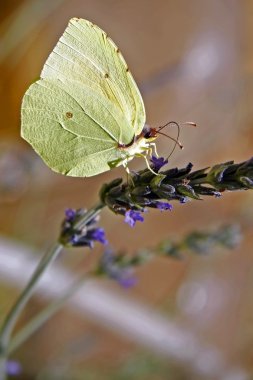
(70, 127)
(85, 104)
(92, 58)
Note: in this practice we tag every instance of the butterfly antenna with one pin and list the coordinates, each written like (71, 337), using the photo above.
(190, 123)
(177, 142)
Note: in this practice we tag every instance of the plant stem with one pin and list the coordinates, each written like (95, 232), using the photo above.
(17, 308)
(35, 323)
(13, 315)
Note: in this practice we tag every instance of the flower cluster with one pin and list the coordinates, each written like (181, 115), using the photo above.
(231, 176)
(146, 189)
(134, 197)
(121, 267)
(78, 234)
(202, 242)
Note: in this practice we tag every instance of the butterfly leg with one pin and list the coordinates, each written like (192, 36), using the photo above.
(129, 177)
(147, 163)
(153, 147)
(150, 148)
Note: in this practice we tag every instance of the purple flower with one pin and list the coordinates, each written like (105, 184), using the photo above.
(158, 162)
(13, 368)
(117, 268)
(74, 239)
(78, 235)
(163, 206)
(127, 280)
(99, 235)
(131, 217)
(70, 214)
(88, 236)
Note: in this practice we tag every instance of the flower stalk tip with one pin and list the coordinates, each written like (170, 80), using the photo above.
(73, 234)
(147, 190)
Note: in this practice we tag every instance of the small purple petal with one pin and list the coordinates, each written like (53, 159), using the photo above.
(13, 368)
(70, 214)
(127, 281)
(163, 206)
(99, 235)
(131, 217)
(158, 162)
(74, 239)
(111, 266)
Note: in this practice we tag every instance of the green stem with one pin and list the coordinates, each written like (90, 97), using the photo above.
(89, 215)
(17, 308)
(35, 323)
(12, 317)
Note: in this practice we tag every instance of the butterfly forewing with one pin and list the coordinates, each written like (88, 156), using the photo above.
(91, 57)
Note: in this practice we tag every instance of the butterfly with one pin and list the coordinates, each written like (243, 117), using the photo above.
(85, 114)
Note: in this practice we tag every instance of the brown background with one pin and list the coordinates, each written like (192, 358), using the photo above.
(193, 62)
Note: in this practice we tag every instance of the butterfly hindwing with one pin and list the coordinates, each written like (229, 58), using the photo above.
(69, 140)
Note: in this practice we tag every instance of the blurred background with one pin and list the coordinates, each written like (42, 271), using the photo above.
(185, 319)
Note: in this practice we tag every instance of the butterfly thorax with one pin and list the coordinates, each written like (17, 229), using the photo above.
(141, 144)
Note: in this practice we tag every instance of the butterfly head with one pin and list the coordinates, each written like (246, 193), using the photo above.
(148, 133)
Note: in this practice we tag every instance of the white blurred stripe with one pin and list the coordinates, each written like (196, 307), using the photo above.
(134, 321)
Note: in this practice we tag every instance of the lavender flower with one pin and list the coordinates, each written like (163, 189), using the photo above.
(99, 235)
(149, 190)
(127, 279)
(202, 242)
(118, 268)
(70, 214)
(13, 368)
(121, 267)
(131, 217)
(157, 163)
(163, 206)
(80, 236)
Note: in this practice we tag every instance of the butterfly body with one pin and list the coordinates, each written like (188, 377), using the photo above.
(85, 115)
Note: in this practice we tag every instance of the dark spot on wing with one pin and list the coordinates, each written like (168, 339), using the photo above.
(69, 115)
(117, 50)
(106, 75)
(127, 69)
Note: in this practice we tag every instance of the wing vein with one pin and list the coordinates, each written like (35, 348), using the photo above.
(98, 123)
